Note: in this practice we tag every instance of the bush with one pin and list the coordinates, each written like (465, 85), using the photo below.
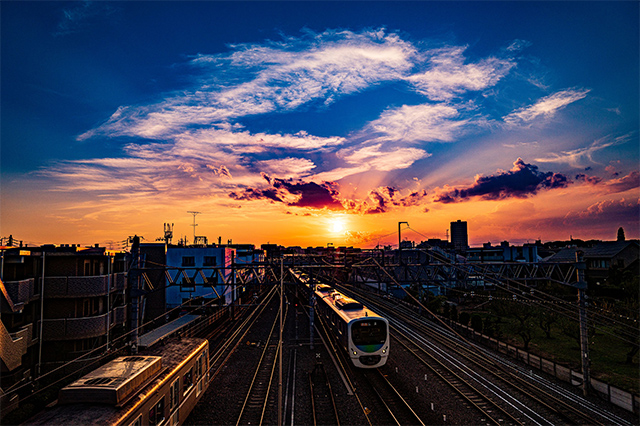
(464, 318)
(476, 323)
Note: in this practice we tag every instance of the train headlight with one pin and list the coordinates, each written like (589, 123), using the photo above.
(384, 351)
(355, 353)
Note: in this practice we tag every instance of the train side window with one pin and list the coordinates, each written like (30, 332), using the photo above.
(156, 413)
(174, 420)
(187, 381)
(137, 421)
(174, 394)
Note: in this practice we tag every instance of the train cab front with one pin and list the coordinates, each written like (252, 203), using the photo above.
(369, 342)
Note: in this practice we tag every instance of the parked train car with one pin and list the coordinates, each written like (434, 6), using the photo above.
(161, 385)
(360, 332)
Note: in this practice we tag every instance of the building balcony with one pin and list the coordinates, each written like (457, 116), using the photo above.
(88, 286)
(14, 345)
(18, 293)
(75, 328)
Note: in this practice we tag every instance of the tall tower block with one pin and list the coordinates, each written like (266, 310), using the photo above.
(459, 237)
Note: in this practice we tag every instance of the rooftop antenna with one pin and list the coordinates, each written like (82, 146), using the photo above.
(194, 225)
(168, 232)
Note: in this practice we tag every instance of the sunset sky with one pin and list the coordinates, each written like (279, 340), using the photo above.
(309, 123)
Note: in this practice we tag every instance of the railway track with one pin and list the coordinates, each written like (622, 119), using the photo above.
(323, 404)
(220, 355)
(257, 401)
(395, 406)
(487, 404)
(499, 389)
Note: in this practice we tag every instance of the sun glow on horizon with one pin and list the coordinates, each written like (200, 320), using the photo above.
(337, 225)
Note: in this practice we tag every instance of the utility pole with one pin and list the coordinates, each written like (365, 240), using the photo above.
(194, 224)
(584, 335)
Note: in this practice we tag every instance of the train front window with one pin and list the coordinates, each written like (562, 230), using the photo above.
(369, 332)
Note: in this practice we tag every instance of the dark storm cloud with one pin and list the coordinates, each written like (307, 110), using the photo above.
(310, 194)
(294, 194)
(591, 180)
(521, 181)
(256, 194)
(383, 199)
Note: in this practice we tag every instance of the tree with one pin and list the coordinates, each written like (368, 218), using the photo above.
(570, 327)
(435, 304)
(454, 314)
(546, 318)
(621, 234)
(446, 310)
(521, 313)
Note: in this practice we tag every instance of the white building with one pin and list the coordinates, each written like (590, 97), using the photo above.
(212, 262)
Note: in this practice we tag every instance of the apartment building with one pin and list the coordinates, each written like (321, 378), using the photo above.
(57, 303)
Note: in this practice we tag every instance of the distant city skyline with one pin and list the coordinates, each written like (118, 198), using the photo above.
(315, 123)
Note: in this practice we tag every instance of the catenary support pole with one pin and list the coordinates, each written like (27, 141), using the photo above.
(280, 342)
(41, 318)
(584, 336)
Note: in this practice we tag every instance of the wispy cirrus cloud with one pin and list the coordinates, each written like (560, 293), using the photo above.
(545, 107)
(199, 138)
(583, 156)
(278, 77)
(81, 16)
(449, 75)
(418, 123)
(522, 181)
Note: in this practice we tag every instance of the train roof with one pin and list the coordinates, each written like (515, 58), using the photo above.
(113, 382)
(172, 352)
(349, 309)
(164, 331)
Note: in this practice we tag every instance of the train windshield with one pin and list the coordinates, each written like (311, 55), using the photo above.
(369, 335)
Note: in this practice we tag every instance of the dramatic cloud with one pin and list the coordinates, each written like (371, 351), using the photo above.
(382, 199)
(546, 107)
(521, 181)
(294, 194)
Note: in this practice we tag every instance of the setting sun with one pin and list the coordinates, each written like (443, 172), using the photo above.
(337, 225)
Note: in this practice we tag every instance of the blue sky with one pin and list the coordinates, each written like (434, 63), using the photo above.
(300, 122)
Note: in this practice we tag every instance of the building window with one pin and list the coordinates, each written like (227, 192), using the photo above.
(209, 261)
(156, 413)
(188, 261)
